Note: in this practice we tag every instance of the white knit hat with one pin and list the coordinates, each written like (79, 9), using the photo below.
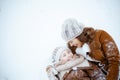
(57, 52)
(71, 29)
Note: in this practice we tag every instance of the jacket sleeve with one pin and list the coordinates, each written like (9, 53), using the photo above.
(111, 53)
(51, 73)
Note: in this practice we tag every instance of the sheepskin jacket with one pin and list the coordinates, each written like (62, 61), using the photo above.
(104, 49)
(80, 71)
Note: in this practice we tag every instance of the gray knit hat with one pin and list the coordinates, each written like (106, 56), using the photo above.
(71, 29)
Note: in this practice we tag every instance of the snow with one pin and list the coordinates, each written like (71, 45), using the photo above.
(31, 29)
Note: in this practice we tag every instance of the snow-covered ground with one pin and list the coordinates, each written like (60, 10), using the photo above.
(31, 29)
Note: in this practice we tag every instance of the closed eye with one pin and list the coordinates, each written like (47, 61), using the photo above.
(64, 55)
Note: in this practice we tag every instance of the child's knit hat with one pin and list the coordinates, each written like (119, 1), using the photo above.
(57, 53)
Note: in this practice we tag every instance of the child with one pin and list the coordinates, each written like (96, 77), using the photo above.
(69, 66)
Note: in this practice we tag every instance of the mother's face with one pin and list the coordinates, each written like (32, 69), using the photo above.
(75, 42)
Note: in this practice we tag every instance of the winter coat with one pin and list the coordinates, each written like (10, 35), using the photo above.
(85, 73)
(103, 49)
(75, 70)
(82, 71)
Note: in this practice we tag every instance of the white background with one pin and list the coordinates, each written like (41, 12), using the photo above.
(31, 29)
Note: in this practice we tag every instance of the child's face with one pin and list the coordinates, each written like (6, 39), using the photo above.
(66, 56)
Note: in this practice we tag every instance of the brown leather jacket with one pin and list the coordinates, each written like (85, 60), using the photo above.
(103, 49)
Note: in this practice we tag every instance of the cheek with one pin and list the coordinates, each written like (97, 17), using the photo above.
(64, 59)
(79, 43)
(73, 43)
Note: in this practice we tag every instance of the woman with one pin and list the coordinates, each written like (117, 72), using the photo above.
(102, 46)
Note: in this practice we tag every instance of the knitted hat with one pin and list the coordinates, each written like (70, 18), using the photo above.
(57, 53)
(71, 29)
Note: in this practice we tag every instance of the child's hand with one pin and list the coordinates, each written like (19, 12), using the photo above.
(51, 72)
(51, 69)
(48, 68)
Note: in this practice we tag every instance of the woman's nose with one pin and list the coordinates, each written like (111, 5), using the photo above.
(71, 44)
